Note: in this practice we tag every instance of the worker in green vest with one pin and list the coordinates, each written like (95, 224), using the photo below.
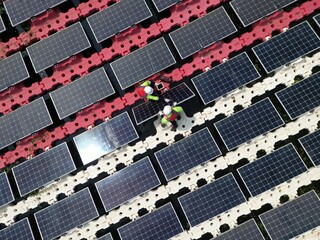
(170, 114)
(147, 91)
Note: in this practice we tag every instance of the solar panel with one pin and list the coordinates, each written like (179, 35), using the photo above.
(161, 224)
(22, 10)
(246, 231)
(271, 170)
(249, 123)
(143, 63)
(66, 214)
(23, 122)
(6, 195)
(148, 110)
(82, 93)
(43, 169)
(18, 231)
(286, 47)
(106, 237)
(12, 71)
(188, 153)
(293, 218)
(202, 32)
(164, 4)
(2, 26)
(302, 97)
(250, 11)
(58, 47)
(126, 184)
(211, 200)
(117, 18)
(105, 138)
(311, 144)
(317, 19)
(225, 78)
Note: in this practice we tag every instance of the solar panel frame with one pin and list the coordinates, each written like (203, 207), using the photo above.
(286, 45)
(206, 150)
(82, 93)
(61, 42)
(182, 37)
(42, 166)
(311, 145)
(143, 54)
(18, 231)
(216, 77)
(2, 26)
(6, 194)
(164, 4)
(287, 222)
(106, 237)
(317, 19)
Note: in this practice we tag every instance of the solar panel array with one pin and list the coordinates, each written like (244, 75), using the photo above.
(105, 138)
(249, 123)
(142, 63)
(311, 144)
(18, 231)
(250, 11)
(164, 4)
(160, 224)
(188, 153)
(118, 17)
(66, 214)
(2, 26)
(81, 93)
(128, 183)
(22, 10)
(202, 32)
(58, 47)
(286, 47)
(216, 198)
(225, 78)
(12, 71)
(148, 110)
(317, 19)
(43, 169)
(106, 237)
(271, 170)
(23, 122)
(293, 218)
(6, 195)
(302, 97)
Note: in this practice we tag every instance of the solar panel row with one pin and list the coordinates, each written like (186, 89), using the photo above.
(18, 231)
(2, 26)
(311, 144)
(6, 195)
(164, 4)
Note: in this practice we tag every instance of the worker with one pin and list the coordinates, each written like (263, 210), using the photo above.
(148, 91)
(170, 114)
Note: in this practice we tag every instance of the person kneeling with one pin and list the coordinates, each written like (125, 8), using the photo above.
(170, 114)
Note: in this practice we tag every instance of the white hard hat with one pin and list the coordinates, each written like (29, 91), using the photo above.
(148, 90)
(167, 110)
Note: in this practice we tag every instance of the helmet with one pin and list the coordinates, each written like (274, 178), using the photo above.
(148, 90)
(167, 110)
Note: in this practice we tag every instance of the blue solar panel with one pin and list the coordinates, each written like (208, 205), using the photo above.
(2, 26)
(6, 195)
(302, 97)
(311, 144)
(106, 237)
(249, 123)
(188, 153)
(128, 183)
(211, 200)
(18, 231)
(293, 218)
(161, 224)
(272, 170)
(317, 19)
(164, 4)
(287, 47)
(225, 78)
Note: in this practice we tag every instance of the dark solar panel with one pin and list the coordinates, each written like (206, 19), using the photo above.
(58, 47)
(106, 237)
(81, 93)
(117, 18)
(211, 200)
(188, 153)
(225, 78)
(164, 4)
(148, 110)
(272, 170)
(250, 11)
(311, 144)
(143, 63)
(249, 123)
(128, 183)
(18, 231)
(66, 214)
(202, 32)
(105, 138)
(6, 195)
(317, 19)
(293, 218)
(302, 97)
(43, 169)
(287, 47)
(23, 122)
(2, 26)
(161, 224)
(22, 10)
(12, 71)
